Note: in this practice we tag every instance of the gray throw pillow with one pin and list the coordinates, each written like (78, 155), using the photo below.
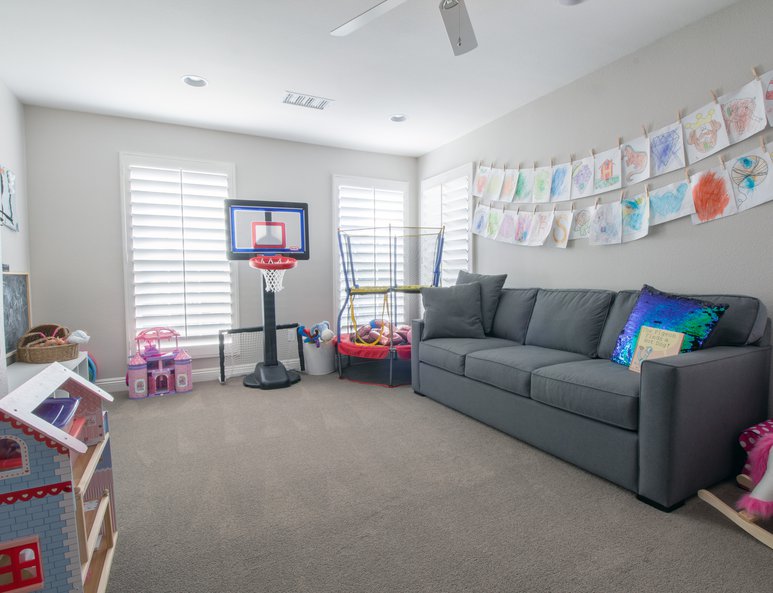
(452, 312)
(490, 291)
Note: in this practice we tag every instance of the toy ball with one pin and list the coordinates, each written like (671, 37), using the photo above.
(327, 335)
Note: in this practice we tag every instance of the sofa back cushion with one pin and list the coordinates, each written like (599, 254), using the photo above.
(513, 314)
(570, 320)
(452, 312)
(742, 323)
(490, 291)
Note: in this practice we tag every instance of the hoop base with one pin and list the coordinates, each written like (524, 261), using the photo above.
(271, 377)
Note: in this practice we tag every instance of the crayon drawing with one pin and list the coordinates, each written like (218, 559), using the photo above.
(704, 132)
(767, 92)
(542, 177)
(606, 171)
(495, 216)
(751, 176)
(480, 220)
(581, 223)
(582, 178)
(541, 223)
(8, 213)
(508, 186)
(494, 188)
(636, 217)
(667, 149)
(522, 227)
(560, 183)
(507, 228)
(744, 111)
(636, 161)
(481, 180)
(670, 202)
(606, 225)
(524, 188)
(712, 196)
(559, 234)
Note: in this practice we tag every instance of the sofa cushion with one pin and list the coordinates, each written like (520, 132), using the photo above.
(513, 314)
(694, 318)
(449, 353)
(618, 315)
(510, 368)
(490, 291)
(569, 320)
(452, 312)
(597, 389)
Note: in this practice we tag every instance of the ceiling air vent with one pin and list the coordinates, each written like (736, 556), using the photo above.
(310, 101)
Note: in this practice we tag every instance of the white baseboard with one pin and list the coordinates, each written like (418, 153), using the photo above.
(118, 384)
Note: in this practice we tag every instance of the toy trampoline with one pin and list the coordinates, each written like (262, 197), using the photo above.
(380, 267)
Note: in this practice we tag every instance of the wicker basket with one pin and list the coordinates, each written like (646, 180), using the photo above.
(27, 351)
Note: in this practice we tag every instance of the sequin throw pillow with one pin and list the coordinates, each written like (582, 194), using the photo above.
(692, 317)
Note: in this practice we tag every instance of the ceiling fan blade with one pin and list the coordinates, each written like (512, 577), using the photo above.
(458, 26)
(360, 21)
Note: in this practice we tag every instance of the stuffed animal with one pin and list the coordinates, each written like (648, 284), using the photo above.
(758, 504)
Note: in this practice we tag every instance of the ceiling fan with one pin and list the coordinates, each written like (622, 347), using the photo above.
(455, 18)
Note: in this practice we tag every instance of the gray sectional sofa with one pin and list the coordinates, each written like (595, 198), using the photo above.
(543, 375)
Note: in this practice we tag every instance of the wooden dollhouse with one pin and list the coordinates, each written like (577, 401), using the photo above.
(57, 508)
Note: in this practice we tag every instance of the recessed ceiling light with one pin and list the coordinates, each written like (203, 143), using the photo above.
(193, 80)
(570, 2)
(398, 117)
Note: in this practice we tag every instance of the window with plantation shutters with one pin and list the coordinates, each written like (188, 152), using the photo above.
(445, 201)
(177, 273)
(371, 204)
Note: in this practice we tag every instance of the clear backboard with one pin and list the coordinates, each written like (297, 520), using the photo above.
(267, 228)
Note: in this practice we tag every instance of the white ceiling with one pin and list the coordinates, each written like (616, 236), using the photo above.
(126, 58)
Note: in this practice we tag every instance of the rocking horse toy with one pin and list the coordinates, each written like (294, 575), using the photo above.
(756, 506)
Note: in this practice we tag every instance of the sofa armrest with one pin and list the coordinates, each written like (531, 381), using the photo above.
(692, 407)
(417, 328)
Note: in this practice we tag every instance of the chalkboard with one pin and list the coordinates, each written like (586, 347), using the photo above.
(16, 308)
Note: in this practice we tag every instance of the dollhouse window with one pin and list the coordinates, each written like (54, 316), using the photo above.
(14, 458)
(20, 568)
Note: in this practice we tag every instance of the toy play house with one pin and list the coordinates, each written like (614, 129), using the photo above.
(154, 372)
(56, 503)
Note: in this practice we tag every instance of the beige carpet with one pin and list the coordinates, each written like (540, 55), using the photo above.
(331, 486)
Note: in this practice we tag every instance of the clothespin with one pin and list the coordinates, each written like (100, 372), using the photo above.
(647, 190)
(678, 115)
(571, 158)
(554, 208)
(714, 96)
(622, 195)
(593, 153)
(596, 203)
(551, 162)
(763, 145)
(619, 141)
(754, 73)
(573, 206)
(534, 165)
(644, 131)
(721, 161)
(687, 174)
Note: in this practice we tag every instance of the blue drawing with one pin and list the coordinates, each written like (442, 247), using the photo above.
(747, 174)
(669, 204)
(633, 213)
(558, 183)
(666, 150)
(481, 220)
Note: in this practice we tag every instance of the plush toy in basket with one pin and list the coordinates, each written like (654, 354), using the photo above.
(46, 343)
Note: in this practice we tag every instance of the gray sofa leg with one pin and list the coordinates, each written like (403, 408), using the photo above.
(659, 506)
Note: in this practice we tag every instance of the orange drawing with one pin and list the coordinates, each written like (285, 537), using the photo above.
(710, 196)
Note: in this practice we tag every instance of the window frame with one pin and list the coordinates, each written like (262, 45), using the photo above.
(25, 459)
(129, 159)
(16, 566)
(359, 181)
(438, 180)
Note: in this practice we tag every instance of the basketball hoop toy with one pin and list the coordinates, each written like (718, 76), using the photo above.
(273, 268)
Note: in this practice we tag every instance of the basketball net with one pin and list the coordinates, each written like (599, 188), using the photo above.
(273, 269)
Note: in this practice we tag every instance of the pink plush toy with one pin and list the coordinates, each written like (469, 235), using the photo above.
(758, 504)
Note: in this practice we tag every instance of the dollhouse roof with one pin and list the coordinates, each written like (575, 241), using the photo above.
(20, 403)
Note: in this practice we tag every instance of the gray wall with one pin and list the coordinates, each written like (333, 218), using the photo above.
(75, 209)
(14, 249)
(730, 255)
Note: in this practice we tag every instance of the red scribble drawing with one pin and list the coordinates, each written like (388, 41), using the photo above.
(740, 115)
(710, 196)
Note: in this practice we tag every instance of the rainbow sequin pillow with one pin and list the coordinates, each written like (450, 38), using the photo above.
(692, 317)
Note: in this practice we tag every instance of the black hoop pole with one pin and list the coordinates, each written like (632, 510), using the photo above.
(269, 325)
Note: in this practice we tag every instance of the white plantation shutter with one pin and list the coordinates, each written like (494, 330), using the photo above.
(445, 201)
(367, 203)
(178, 275)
